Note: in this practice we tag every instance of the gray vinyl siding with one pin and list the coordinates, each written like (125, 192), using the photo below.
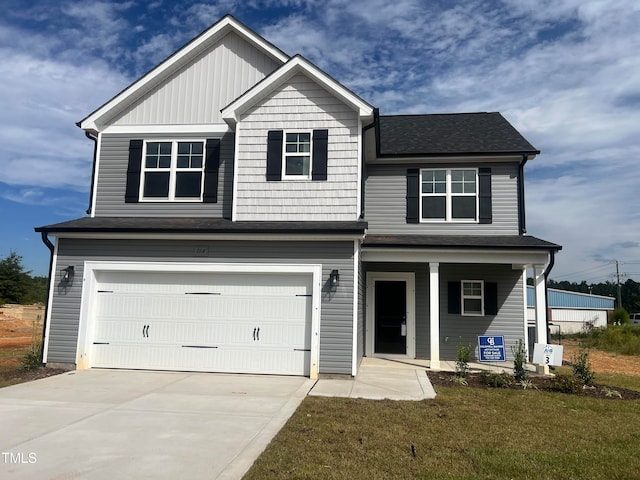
(336, 323)
(196, 93)
(508, 322)
(361, 334)
(386, 208)
(298, 105)
(112, 180)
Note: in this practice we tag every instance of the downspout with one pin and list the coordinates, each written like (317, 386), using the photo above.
(522, 220)
(51, 248)
(94, 138)
(364, 163)
(552, 261)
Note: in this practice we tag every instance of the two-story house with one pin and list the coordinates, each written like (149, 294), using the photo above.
(251, 214)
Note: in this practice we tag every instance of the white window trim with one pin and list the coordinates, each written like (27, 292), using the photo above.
(481, 297)
(284, 155)
(448, 204)
(172, 171)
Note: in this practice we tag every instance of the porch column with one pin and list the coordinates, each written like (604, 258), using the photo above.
(434, 315)
(541, 309)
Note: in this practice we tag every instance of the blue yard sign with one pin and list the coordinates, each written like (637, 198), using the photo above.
(491, 348)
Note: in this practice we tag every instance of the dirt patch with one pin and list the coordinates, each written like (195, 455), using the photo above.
(604, 362)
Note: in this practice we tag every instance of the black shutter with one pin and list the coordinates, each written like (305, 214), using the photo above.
(319, 158)
(484, 195)
(132, 191)
(455, 305)
(490, 298)
(413, 196)
(211, 168)
(274, 155)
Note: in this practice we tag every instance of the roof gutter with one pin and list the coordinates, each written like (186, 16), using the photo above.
(552, 261)
(51, 248)
(94, 138)
(522, 221)
(374, 123)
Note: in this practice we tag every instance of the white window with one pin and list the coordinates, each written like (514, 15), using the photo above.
(449, 195)
(472, 300)
(172, 170)
(297, 155)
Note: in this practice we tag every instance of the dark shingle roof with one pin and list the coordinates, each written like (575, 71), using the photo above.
(196, 225)
(459, 241)
(450, 134)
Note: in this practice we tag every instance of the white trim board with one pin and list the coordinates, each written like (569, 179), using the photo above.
(88, 304)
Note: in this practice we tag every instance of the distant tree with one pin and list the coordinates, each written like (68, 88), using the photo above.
(14, 281)
(37, 290)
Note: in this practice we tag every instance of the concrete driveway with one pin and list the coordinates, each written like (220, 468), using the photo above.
(106, 424)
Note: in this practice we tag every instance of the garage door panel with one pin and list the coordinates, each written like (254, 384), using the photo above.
(228, 322)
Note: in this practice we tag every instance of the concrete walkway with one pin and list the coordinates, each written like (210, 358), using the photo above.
(379, 379)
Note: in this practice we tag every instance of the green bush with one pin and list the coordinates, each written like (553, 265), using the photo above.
(566, 383)
(620, 317)
(496, 380)
(624, 339)
(32, 359)
(582, 367)
(519, 361)
(462, 359)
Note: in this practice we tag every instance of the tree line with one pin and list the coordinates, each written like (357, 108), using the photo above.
(17, 285)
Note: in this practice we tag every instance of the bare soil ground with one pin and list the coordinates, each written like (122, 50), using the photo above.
(604, 362)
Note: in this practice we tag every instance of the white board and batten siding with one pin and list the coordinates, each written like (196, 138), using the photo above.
(299, 104)
(197, 92)
(386, 204)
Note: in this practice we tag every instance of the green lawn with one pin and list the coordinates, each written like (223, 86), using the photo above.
(464, 433)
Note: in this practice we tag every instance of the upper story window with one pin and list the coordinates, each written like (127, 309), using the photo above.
(449, 195)
(172, 170)
(297, 155)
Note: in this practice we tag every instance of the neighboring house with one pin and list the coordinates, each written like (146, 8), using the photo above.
(572, 312)
(251, 214)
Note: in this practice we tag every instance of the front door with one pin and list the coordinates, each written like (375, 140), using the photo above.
(391, 316)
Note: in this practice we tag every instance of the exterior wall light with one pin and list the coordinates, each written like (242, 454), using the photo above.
(67, 276)
(334, 277)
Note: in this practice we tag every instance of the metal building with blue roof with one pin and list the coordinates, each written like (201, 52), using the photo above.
(572, 312)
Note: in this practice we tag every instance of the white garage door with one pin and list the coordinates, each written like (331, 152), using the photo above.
(211, 322)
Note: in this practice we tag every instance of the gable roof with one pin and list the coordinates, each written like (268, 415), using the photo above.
(176, 61)
(450, 135)
(296, 65)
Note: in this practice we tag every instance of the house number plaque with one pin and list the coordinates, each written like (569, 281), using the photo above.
(201, 251)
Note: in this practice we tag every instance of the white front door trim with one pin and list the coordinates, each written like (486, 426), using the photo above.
(409, 279)
(87, 310)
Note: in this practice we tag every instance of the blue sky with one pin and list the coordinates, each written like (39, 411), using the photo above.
(565, 73)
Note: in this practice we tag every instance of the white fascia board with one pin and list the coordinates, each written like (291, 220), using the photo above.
(486, 256)
(153, 77)
(253, 237)
(298, 64)
(168, 129)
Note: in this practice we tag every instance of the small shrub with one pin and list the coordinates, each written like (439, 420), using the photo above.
(32, 359)
(519, 361)
(620, 317)
(496, 380)
(582, 367)
(527, 383)
(462, 359)
(566, 383)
